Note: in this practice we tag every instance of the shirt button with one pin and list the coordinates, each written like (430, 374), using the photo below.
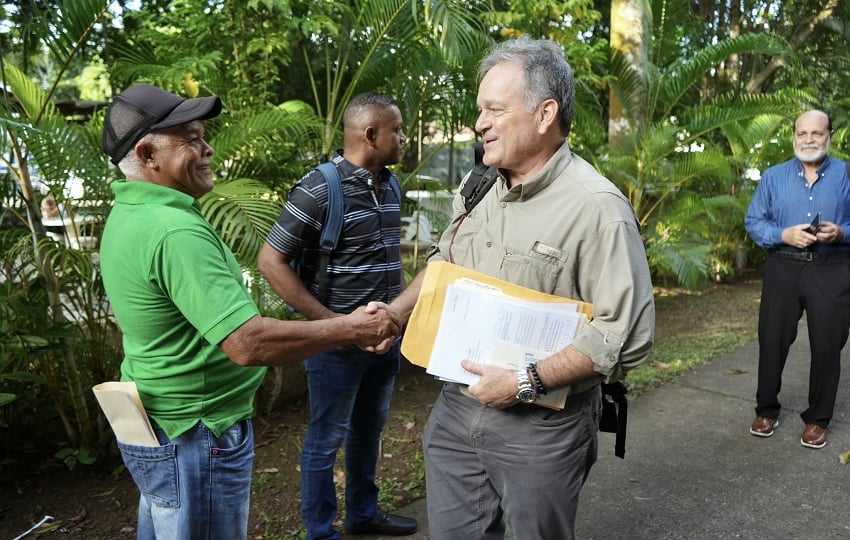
(489, 244)
(504, 205)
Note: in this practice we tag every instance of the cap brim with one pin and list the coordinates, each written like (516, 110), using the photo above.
(200, 108)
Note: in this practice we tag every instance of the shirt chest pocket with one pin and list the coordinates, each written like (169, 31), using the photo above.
(540, 267)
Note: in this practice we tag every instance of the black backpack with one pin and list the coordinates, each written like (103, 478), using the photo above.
(615, 404)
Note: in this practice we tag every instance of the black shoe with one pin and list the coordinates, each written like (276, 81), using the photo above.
(388, 524)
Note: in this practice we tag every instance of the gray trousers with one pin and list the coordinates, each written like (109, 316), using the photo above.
(527, 463)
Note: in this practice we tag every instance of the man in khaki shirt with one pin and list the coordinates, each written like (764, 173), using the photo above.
(553, 224)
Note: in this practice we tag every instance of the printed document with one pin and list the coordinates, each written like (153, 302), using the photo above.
(480, 323)
(424, 324)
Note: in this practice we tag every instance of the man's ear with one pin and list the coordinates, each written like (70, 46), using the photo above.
(144, 152)
(548, 114)
(371, 134)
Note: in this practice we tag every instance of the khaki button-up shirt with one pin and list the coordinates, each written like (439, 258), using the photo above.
(569, 232)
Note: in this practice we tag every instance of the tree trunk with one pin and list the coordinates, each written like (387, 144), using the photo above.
(629, 35)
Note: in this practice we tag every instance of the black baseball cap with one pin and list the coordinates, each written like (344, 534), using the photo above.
(143, 108)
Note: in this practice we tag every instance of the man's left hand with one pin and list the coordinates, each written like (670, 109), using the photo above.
(829, 232)
(497, 386)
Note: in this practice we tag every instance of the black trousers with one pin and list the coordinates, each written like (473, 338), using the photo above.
(821, 288)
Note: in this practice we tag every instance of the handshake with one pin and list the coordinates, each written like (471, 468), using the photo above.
(375, 326)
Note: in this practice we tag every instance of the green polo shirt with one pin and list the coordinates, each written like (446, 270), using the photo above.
(177, 291)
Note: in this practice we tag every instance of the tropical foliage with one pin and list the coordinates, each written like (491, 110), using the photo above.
(707, 107)
(57, 337)
(672, 164)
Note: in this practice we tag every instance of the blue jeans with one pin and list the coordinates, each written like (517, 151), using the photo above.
(195, 486)
(350, 393)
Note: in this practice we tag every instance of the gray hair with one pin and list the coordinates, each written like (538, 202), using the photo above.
(130, 165)
(547, 74)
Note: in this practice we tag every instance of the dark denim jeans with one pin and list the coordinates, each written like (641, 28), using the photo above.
(195, 486)
(350, 393)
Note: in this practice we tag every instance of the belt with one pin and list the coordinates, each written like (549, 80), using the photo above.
(809, 256)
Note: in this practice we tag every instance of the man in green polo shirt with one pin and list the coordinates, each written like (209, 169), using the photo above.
(194, 341)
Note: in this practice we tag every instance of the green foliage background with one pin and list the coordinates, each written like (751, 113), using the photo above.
(709, 106)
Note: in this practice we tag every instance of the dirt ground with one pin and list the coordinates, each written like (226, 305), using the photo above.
(99, 502)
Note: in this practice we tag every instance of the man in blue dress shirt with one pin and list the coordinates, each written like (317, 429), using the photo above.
(799, 213)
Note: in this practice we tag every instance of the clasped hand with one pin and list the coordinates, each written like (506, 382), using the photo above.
(801, 236)
(497, 386)
(378, 326)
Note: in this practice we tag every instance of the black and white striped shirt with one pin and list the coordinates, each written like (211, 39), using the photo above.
(366, 265)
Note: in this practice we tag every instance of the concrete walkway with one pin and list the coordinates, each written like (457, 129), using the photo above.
(693, 471)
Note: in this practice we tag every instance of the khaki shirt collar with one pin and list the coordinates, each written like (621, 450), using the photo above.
(544, 177)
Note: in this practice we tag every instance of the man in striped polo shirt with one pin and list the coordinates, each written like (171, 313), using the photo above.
(350, 389)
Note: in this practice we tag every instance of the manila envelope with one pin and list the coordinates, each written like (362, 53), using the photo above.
(421, 332)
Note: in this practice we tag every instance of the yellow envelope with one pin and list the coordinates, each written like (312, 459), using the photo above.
(122, 406)
(421, 332)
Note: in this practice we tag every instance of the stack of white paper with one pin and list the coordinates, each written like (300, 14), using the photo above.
(482, 324)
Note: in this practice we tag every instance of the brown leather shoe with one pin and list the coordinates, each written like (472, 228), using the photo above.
(813, 436)
(763, 426)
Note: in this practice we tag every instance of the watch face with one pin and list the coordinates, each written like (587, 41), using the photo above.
(527, 396)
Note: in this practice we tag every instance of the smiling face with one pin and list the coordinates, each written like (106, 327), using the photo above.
(517, 140)
(811, 137)
(180, 159)
(503, 120)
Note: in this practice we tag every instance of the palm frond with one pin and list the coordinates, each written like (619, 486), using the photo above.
(292, 122)
(627, 82)
(456, 27)
(73, 23)
(657, 142)
(140, 62)
(724, 110)
(686, 73)
(242, 211)
(32, 99)
(70, 28)
(684, 256)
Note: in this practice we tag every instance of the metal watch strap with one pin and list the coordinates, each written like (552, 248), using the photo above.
(526, 392)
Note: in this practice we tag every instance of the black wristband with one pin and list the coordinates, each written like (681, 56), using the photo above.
(536, 380)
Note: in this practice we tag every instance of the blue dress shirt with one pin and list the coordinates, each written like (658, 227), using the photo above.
(783, 199)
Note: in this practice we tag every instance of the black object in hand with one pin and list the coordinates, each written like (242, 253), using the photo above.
(813, 227)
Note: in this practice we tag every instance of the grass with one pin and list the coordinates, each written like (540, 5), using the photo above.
(693, 328)
(672, 358)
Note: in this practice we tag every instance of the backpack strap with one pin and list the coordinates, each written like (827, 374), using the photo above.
(333, 223)
(479, 182)
(334, 215)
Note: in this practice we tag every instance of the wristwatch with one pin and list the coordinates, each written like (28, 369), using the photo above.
(526, 392)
